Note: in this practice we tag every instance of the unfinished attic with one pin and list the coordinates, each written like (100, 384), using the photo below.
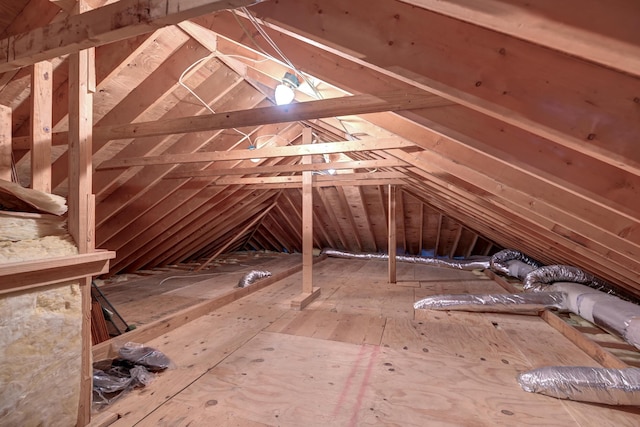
(316, 213)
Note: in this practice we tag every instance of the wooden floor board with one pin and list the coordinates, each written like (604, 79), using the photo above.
(344, 327)
(474, 343)
(357, 356)
(270, 380)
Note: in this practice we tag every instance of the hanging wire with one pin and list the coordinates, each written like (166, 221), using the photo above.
(259, 27)
(14, 170)
(180, 80)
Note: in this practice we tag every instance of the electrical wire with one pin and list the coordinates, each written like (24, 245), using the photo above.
(181, 82)
(187, 277)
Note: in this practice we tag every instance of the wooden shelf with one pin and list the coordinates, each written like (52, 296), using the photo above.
(19, 276)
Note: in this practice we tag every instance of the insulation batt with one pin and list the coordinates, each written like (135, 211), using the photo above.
(251, 277)
(585, 384)
(468, 264)
(508, 303)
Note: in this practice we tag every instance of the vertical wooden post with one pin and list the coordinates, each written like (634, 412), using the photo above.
(307, 219)
(5, 143)
(41, 106)
(392, 234)
(309, 293)
(81, 216)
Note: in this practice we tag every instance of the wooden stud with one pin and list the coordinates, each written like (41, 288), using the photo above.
(81, 215)
(456, 241)
(392, 234)
(307, 221)
(5, 143)
(421, 229)
(435, 248)
(41, 116)
(471, 246)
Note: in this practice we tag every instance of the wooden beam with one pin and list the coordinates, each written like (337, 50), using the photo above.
(309, 293)
(81, 214)
(116, 21)
(358, 164)
(611, 40)
(334, 183)
(471, 246)
(20, 276)
(597, 353)
(349, 105)
(392, 234)
(288, 151)
(5, 143)
(328, 179)
(421, 227)
(41, 116)
(438, 232)
(456, 241)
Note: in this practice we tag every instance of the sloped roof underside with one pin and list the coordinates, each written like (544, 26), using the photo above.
(525, 145)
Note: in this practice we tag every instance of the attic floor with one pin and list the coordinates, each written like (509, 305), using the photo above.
(358, 355)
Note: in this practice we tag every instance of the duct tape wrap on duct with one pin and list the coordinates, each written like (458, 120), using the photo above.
(508, 303)
(464, 264)
(251, 277)
(585, 384)
(500, 262)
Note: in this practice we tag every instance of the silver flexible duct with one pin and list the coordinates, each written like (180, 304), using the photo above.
(498, 303)
(585, 384)
(542, 277)
(499, 261)
(467, 264)
(251, 277)
(608, 311)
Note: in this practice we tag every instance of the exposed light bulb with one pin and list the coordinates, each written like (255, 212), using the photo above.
(284, 91)
(284, 94)
(251, 148)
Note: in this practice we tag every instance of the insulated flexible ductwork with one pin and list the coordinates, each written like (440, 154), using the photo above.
(610, 312)
(586, 384)
(513, 262)
(509, 303)
(540, 278)
(467, 264)
(251, 277)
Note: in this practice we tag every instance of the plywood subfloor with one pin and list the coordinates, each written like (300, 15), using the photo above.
(359, 355)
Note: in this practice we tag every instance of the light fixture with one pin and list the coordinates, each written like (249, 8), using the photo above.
(251, 148)
(284, 91)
